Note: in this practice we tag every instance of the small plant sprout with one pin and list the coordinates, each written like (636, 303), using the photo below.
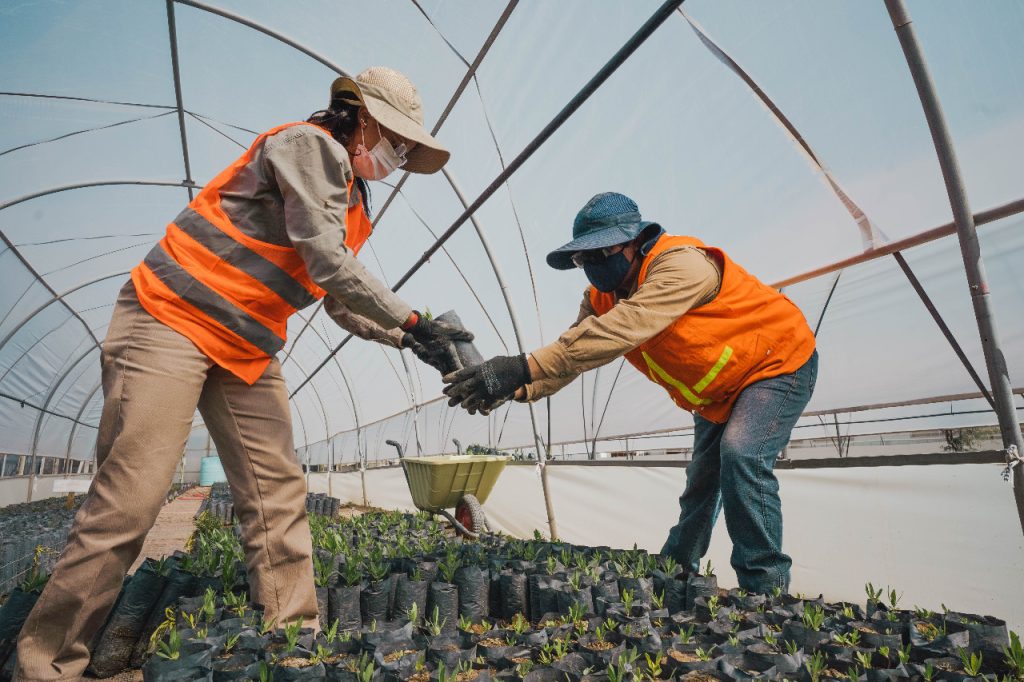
(465, 623)
(552, 564)
(413, 614)
(519, 624)
(884, 652)
(627, 601)
(170, 649)
(848, 612)
(266, 673)
(922, 613)
(874, 596)
(191, 619)
(971, 662)
(653, 670)
(523, 668)
(1015, 655)
(373, 625)
(864, 658)
(814, 617)
(231, 641)
(735, 616)
(776, 592)
(670, 566)
(576, 580)
(713, 606)
(815, 665)
(903, 654)
(617, 671)
(853, 674)
(770, 639)
(209, 608)
(435, 623)
(734, 640)
(267, 625)
(851, 638)
(702, 653)
(323, 570)
(685, 635)
(929, 672)
(291, 634)
(658, 599)
(894, 599)
(792, 647)
(709, 570)
(576, 616)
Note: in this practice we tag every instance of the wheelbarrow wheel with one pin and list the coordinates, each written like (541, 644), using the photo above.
(470, 513)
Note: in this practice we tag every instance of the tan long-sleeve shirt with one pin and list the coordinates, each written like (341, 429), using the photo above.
(678, 280)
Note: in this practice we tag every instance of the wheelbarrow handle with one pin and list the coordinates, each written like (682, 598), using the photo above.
(401, 460)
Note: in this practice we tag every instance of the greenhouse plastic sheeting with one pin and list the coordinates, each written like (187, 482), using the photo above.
(87, 95)
(938, 534)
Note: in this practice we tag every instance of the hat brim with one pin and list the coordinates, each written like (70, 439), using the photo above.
(428, 156)
(561, 258)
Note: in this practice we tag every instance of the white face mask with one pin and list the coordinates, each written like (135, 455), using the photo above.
(379, 162)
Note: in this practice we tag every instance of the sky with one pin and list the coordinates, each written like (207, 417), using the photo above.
(673, 128)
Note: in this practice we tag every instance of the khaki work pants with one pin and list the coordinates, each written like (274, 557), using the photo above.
(153, 380)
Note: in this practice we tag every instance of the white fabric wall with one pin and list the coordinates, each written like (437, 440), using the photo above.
(15, 490)
(938, 534)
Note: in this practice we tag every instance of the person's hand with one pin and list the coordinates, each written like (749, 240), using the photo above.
(433, 342)
(487, 385)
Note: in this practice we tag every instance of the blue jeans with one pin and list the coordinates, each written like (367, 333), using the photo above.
(732, 469)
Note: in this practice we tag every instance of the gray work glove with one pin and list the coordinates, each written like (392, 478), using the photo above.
(433, 342)
(487, 385)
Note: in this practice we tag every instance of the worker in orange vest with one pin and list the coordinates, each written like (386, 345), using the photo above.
(199, 324)
(736, 353)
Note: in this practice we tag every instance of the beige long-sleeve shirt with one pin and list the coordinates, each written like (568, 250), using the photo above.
(678, 280)
(311, 171)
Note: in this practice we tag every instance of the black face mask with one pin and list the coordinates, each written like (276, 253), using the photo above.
(610, 273)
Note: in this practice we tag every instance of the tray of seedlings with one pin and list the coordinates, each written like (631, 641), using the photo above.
(401, 599)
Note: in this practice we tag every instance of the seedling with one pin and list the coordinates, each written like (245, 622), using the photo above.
(853, 674)
(209, 608)
(922, 613)
(658, 599)
(448, 567)
(351, 573)
(884, 652)
(776, 592)
(435, 623)
(850, 639)
(709, 570)
(770, 639)
(735, 617)
(576, 580)
(815, 665)
(713, 606)
(670, 566)
(653, 666)
(617, 672)
(323, 570)
(291, 634)
(627, 601)
(685, 635)
(848, 612)
(971, 662)
(552, 564)
(331, 633)
(874, 596)
(465, 623)
(231, 641)
(734, 640)
(702, 653)
(523, 668)
(416, 574)
(814, 618)
(266, 673)
(929, 672)
(170, 649)
(894, 599)
(792, 647)
(267, 626)
(192, 619)
(601, 631)
(519, 624)
(1015, 655)
(413, 614)
(576, 616)
(864, 658)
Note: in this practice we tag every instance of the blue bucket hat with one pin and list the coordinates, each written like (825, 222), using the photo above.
(608, 219)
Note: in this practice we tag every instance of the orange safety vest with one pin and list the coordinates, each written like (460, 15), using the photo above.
(749, 332)
(228, 292)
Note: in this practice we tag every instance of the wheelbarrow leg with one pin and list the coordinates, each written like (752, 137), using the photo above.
(460, 529)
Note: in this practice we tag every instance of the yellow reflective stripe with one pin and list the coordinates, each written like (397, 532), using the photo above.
(710, 376)
(657, 371)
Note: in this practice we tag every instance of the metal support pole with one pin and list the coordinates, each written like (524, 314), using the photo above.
(970, 249)
(173, 34)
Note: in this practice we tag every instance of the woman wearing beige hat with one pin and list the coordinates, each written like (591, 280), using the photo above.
(198, 326)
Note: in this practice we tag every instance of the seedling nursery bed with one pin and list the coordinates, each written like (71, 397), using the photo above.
(402, 599)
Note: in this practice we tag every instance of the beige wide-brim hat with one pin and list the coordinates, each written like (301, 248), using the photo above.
(394, 102)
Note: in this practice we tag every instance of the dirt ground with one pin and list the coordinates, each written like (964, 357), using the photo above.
(173, 526)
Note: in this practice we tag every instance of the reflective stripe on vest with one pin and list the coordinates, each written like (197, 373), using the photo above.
(691, 396)
(197, 294)
(245, 259)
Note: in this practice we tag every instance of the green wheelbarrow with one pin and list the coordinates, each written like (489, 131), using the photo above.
(460, 481)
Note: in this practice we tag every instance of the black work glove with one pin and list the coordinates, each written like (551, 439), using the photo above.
(489, 384)
(432, 341)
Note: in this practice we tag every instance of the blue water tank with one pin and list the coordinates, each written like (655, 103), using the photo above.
(211, 471)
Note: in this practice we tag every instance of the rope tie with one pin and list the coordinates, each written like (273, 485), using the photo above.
(1013, 458)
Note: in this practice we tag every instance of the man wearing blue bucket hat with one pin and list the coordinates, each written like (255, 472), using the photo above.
(727, 348)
